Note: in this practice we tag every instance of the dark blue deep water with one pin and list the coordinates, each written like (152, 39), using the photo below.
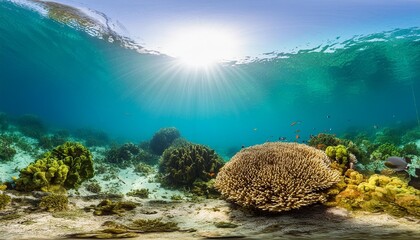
(71, 80)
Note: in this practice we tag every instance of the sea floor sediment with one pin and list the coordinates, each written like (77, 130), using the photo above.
(205, 219)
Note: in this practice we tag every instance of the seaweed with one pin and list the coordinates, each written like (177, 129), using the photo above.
(108, 207)
(140, 193)
(153, 225)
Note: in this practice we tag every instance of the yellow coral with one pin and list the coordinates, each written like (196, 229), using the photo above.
(378, 193)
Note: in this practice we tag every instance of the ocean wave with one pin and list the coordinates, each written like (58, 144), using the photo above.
(93, 22)
(98, 24)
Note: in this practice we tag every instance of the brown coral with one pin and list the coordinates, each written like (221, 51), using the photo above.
(277, 176)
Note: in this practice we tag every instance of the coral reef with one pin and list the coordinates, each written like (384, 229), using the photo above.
(54, 203)
(162, 139)
(65, 167)
(277, 177)
(410, 149)
(122, 156)
(378, 193)
(182, 166)
(385, 151)
(4, 200)
(338, 153)
(388, 135)
(7, 152)
(323, 140)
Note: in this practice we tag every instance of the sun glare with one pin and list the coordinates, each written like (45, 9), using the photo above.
(202, 47)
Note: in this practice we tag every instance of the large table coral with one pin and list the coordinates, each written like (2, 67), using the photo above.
(277, 176)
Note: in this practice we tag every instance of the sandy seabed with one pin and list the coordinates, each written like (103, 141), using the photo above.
(197, 221)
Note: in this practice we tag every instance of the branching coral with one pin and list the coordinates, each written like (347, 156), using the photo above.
(181, 167)
(65, 167)
(277, 176)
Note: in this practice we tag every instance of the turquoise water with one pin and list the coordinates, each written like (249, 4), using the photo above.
(72, 80)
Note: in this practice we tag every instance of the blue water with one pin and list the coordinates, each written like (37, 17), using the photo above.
(71, 80)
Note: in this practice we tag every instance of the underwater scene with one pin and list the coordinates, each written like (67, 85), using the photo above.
(301, 124)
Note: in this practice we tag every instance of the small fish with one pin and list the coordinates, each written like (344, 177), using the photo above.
(255, 129)
(328, 116)
(212, 174)
(297, 131)
(282, 138)
(243, 146)
(297, 136)
(397, 163)
(294, 123)
(375, 126)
